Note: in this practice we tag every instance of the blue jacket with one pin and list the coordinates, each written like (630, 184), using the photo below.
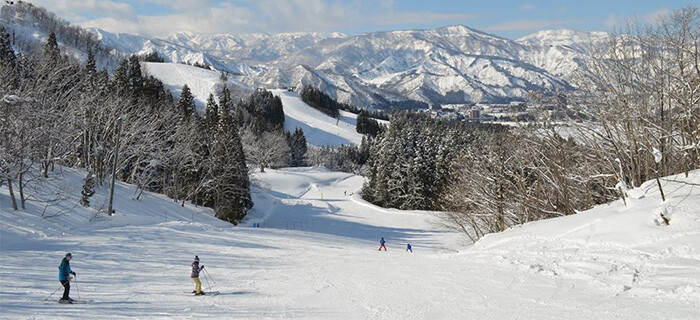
(64, 270)
(381, 241)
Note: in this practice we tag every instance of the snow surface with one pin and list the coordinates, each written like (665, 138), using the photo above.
(315, 256)
(319, 128)
(202, 82)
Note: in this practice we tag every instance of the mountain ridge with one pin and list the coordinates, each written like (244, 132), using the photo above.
(413, 68)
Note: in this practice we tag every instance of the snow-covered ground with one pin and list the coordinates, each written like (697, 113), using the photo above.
(315, 256)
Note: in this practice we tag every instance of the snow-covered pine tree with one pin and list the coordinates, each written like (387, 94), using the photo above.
(186, 104)
(297, 147)
(211, 116)
(88, 189)
(135, 78)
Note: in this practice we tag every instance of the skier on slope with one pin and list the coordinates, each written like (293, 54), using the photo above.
(409, 248)
(64, 273)
(195, 276)
(381, 244)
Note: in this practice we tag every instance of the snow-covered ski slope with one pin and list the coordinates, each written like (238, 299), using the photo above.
(315, 257)
(319, 128)
(201, 81)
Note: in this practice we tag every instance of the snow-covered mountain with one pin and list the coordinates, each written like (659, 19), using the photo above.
(393, 69)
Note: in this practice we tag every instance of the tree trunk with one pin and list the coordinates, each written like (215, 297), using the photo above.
(12, 194)
(21, 191)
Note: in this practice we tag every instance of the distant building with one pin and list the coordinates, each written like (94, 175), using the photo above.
(474, 114)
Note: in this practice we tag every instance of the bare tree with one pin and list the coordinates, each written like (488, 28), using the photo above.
(267, 150)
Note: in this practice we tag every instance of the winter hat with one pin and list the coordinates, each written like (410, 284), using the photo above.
(196, 258)
(68, 254)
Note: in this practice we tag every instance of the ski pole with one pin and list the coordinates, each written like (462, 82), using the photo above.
(76, 286)
(207, 280)
(209, 275)
(51, 295)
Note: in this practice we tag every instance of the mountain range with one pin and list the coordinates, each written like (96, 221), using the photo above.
(393, 69)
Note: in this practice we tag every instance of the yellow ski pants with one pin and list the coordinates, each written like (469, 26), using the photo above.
(197, 285)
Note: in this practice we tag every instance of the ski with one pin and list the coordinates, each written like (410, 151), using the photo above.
(207, 293)
(75, 302)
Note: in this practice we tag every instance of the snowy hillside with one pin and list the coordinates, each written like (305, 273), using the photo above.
(202, 82)
(623, 250)
(315, 257)
(319, 128)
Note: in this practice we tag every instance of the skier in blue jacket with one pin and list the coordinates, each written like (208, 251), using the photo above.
(64, 273)
(381, 244)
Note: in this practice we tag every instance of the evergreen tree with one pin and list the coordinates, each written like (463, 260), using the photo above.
(134, 76)
(8, 61)
(211, 115)
(228, 173)
(297, 147)
(186, 103)
(88, 189)
(120, 80)
(52, 54)
(90, 71)
(225, 102)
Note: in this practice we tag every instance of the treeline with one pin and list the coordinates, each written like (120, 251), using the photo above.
(56, 111)
(376, 114)
(320, 101)
(486, 177)
(366, 119)
(345, 158)
(366, 124)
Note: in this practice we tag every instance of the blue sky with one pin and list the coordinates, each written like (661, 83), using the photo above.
(508, 18)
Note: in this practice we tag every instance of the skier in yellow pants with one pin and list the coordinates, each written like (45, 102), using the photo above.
(195, 276)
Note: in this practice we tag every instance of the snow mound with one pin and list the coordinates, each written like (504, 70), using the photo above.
(625, 249)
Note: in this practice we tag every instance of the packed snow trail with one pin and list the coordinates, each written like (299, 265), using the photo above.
(137, 263)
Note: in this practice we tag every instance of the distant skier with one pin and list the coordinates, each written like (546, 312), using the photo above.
(195, 276)
(64, 273)
(381, 244)
(409, 248)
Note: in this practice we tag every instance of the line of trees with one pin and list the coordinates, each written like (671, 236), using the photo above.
(320, 101)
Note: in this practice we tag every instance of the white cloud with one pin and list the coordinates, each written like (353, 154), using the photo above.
(209, 20)
(524, 25)
(75, 10)
(619, 21)
(210, 16)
